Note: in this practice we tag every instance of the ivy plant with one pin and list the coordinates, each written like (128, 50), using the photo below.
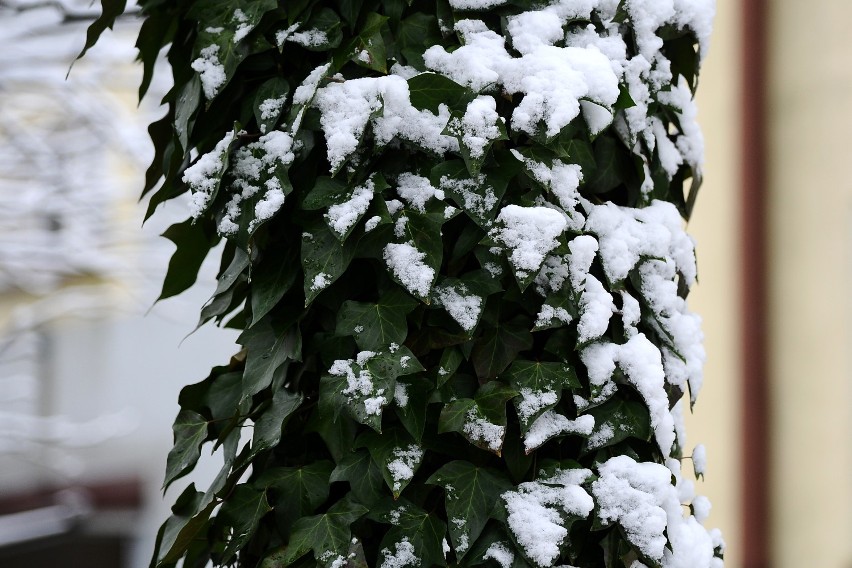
(454, 247)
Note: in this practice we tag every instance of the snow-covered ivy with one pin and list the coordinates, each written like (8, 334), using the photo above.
(455, 247)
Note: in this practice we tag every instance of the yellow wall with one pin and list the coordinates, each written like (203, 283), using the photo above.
(810, 212)
(715, 225)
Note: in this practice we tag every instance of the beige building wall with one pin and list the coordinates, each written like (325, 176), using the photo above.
(810, 216)
(715, 227)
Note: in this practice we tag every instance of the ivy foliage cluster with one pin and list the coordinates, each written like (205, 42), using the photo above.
(453, 244)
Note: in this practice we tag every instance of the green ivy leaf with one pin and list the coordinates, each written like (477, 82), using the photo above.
(371, 43)
(324, 259)
(481, 420)
(451, 358)
(396, 454)
(498, 346)
(363, 475)
(297, 491)
(377, 325)
(242, 511)
(326, 22)
(186, 107)
(363, 390)
(111, 9)
(423, 531)
(271, 279)
(268, 348)
(459, 296)
(423, 232)
(617, 420)
(327, 535)
(412, 414)
(428, 91)
(417, 33)
(267, 427)
(221, 301)
(471, 494)
(537, 381)
(188, 520)
(478, 196)
(190, 431)
(269, 103)
(193, 242)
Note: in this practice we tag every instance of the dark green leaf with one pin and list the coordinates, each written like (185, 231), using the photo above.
(417, 33)
(111, 9)
(297, 491)
(186, 107)
(617, 420)
(270, 280)
(363, 475)
(429, 90)
(540, 385)
(370, 50)
(376, 326)
(338, 434)
(497, 347)
(397, 456)
(423, 532)
(193, 242)
(482, 420)
(324, 259)
(242, 511)
(414, 393)
(326, 533)
(471, 494)
(451, 358)
(180, 529)
(269, 103)
(267, 428)
(268, 348)
(190, 431)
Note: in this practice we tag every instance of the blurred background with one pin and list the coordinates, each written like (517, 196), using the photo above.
(89, 382)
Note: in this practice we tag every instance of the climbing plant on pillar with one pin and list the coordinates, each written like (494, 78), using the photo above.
(454, 246)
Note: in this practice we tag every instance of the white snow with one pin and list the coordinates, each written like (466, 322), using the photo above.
(551, 78)
(699, 459)
(535, 512)
(478, 428)
(476, 195)
(406, 263)
(478, 126)
(400, 394)
(476, 4)
(405, 461)
(205, 174)
(346, 109)
(210, 70)
(642, 364)
(530, 233)
(462, 306)
(417, 190)
(548, 313)
(342, 216)
(403, 555)
(596, 308)
(534, 400)
(552, 424)
(500, 552)
(563, 180)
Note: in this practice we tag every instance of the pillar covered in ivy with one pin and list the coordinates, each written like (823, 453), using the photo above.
(453, 241)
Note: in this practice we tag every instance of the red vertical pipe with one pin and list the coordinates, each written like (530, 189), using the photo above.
(755, 512)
